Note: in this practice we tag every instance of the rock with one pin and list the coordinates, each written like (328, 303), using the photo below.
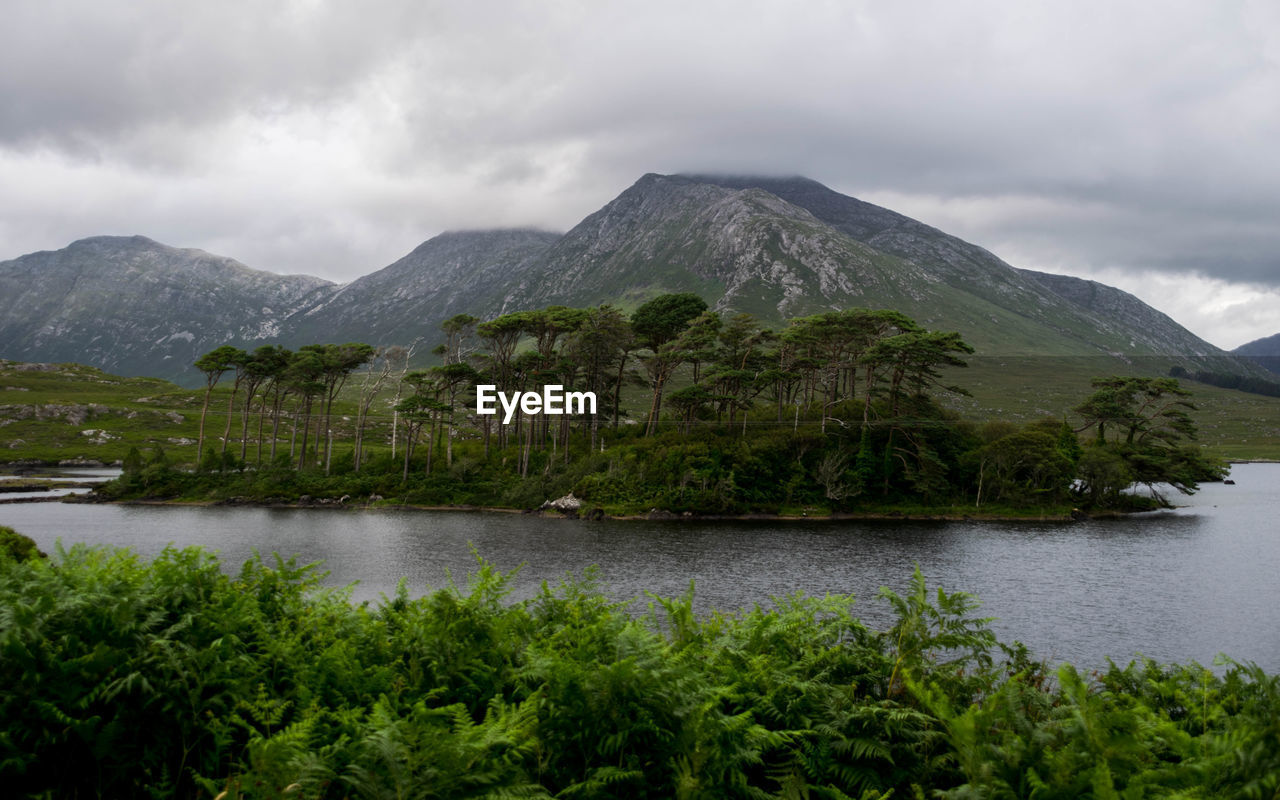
(658, 513)
(80, 462)
(596, 514)
(564, 504)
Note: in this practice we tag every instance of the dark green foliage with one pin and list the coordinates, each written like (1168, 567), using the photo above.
(133, 462)
(1142, 434)
(18, 547)
(124, 678)
(664, 317)
(1227, 380)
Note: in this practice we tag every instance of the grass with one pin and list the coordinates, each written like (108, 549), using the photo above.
(1233, 425)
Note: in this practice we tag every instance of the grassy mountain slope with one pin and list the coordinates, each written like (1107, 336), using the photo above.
(1265, 351)
(70, 412)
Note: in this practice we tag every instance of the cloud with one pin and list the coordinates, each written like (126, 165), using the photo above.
(332, 137)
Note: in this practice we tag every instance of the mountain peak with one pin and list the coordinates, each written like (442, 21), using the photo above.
(136, 239)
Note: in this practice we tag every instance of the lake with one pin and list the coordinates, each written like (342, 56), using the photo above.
(1175, 585)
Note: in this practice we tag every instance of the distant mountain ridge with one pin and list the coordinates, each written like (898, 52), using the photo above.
(1265, 351)
(449, 274)
(133, 306)
(775, 247)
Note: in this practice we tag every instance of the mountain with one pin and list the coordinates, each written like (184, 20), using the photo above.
(1265, 351)
(779, 247)
(1121, 314)
(137, 307)
(453, 273)
(775, 247)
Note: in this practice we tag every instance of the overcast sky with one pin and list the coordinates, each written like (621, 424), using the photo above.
(1133, 143)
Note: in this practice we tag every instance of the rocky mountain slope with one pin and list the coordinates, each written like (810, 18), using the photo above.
(453, 273)
(1120, 314)
(134, 306)
(776, 247)
(779, 247)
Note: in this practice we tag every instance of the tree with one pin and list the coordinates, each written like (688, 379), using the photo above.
(835, 342)
(657, 324)
(661, 364)
(304, 377)
(1024, 467)
(739, 362)
(1143, 424)
(1139, 410)
(384, 361)
(458, 331)
(258, 368)
(214, 364)
(418, 410)
(911, 359)
(599, 349)
(452, 380)
(239, 362)
(661, 319)
(689, 403)
(271, 361)
(500, 336)
(337, 362)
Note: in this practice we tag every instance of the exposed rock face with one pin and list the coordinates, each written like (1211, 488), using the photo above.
(1123, 314)
(778, 247)
(742, 249)
(133, 306)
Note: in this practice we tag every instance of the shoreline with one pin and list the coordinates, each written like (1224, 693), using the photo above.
(652, 516)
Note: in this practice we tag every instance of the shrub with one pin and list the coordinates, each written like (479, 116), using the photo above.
(17, 546)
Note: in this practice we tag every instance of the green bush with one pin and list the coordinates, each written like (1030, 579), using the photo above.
(17, 546)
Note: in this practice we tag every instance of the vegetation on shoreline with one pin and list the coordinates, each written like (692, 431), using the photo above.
(169, 678)
(839, 412)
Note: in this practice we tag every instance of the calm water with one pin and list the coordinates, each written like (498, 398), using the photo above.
(1179, 585)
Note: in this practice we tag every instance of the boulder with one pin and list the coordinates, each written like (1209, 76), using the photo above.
(564, 505)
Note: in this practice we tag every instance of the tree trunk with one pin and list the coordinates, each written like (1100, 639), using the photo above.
(226, 432)
(203, 411)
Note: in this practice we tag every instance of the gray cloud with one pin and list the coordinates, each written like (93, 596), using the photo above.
(330, 138)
